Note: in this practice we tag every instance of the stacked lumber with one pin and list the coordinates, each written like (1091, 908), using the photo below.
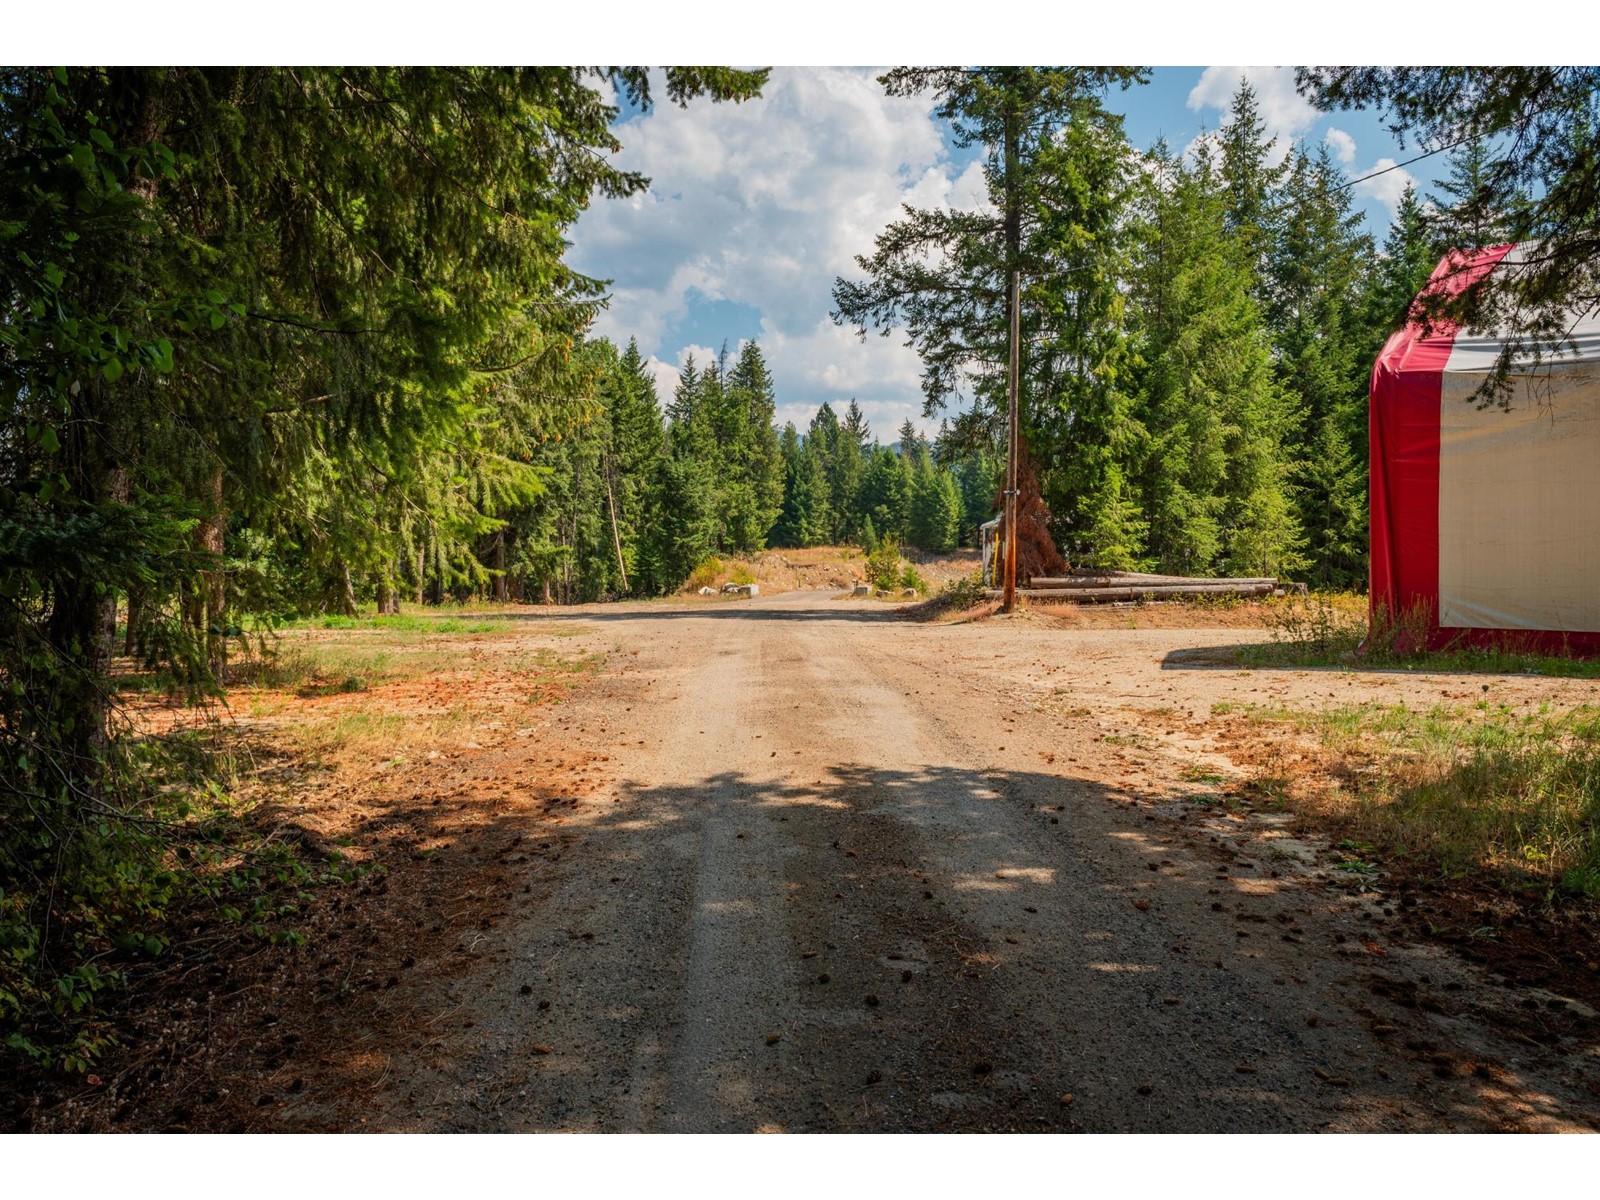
(1111, 586)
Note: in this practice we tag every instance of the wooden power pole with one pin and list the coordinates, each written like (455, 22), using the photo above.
(616, 537)
(1008, 601)
(1013, 239)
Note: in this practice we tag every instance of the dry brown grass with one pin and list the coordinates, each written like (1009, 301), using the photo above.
(1458, 790)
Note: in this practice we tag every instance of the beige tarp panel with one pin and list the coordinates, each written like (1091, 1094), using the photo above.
(1519, 501)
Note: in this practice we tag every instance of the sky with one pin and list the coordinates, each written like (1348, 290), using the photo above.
(755, 209)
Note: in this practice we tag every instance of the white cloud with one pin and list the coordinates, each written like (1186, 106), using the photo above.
(1386, 188)
(1286, 114)
(764, 204)
(1342, 145)
(665, 377)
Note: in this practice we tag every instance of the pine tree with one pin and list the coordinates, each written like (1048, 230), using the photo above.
(1407, 260)
(1544, 176)
(935, 506)
(804, 519)
(885, 494)
(1055, 159)
(638, 441)
(977, 480)
(685, 535)
(1085, 436)
(751, 456)
(1477, 205)
(846, 462)
(1251, 181)
(1213, 480)
(1325, 348)
(909, 441)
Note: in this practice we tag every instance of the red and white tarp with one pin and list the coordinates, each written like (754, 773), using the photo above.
(1486, 520)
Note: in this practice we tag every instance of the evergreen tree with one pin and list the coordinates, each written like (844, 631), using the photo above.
(686, 535)
(1407, 260)
(1251, 180)
(1541, 125)
(805, 518)
(1213, 479)
(1055, 159)
(754, 466)
(935, 506)
(1085, 435)
(638, 441)
(855, 427)
(978, 477)
(885, 494)
(1477, 205)
(846, 462)
(1320, 262)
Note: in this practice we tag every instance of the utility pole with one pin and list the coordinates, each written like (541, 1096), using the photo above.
(1008, 602)
(616, 538)
(1013, 236)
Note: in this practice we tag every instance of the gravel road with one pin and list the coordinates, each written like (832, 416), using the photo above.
(851, 873)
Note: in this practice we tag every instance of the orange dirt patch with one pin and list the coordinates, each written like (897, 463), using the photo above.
(458, 826)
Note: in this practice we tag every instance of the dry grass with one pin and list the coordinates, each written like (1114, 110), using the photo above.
(1460, 789)
(380, 688)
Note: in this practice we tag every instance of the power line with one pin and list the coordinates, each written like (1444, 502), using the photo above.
(1350, 183)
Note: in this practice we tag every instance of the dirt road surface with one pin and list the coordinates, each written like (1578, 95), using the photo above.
(847, 872)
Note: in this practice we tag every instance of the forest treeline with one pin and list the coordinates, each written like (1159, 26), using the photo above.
(637, 494)
(1199, 332)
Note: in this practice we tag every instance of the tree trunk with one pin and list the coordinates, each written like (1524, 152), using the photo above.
(347, 591)
(132, 642)
(499, 583)
(81, 628)
(421, 578)
(82, 625)
(212, 582)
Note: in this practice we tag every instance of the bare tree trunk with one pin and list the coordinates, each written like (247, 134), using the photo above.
(132, 642)
(499, 584)
(82, 624)
(616, 536)
(421, 579)
(212, 582)
(117, 492)
(347, 591)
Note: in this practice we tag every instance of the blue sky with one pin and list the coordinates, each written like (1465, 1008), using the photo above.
(755, 209)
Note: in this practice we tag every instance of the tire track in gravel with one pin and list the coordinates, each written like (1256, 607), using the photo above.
(842, 881)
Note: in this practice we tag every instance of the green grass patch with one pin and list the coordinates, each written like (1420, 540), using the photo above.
(1328, 629)
(1473, 788)
(400, 623)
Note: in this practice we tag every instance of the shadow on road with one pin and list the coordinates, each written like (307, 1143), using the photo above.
(1063, 955)
(740, 610)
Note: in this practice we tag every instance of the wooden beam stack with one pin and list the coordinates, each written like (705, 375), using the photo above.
(1104, 587)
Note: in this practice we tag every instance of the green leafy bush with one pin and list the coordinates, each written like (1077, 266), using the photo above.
(707, 574)
(884, 569)
(966, 592)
